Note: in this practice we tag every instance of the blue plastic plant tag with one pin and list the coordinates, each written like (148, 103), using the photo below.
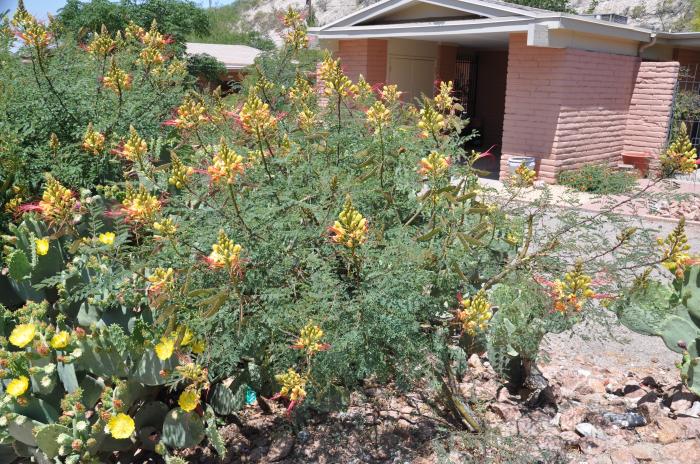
(250, 396)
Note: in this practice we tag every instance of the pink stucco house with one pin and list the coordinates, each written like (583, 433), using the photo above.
(562, 88)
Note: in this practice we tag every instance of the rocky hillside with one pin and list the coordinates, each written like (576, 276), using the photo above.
(262, 15)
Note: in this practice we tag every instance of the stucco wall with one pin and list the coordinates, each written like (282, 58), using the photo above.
(565, 107)
(650, 108)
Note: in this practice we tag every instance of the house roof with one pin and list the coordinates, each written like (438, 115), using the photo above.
(480, 22)
(234, 57)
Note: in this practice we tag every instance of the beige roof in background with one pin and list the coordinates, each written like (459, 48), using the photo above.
(233, 56)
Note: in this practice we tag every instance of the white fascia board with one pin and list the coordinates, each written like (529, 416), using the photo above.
(467, 27)
(602, 28)
(679, 39)
(479, 7)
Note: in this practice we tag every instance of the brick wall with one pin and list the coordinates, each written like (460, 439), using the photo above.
(565, 107)
(364, 56)
(650, 108)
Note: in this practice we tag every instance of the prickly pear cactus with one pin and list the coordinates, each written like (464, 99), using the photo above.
(672, 313)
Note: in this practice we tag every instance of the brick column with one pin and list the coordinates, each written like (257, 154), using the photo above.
(364, 56)
(447, 63)
(565, 107)
(650, 108)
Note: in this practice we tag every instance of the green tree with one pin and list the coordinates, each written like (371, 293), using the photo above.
(552, 5)
(176, 17)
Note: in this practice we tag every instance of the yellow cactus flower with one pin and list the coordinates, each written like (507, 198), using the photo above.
(292, 385)
(164, 349)
(435, 165)
(198, 346)
(350, 229)
(57, 203)
(378, 116)
(42, 246)
(225, 253)
(120, 426)
(310, 340)
(140, 206)
(22, 335)
(106, 238)
(60, 340)
(474, 313)
(188, 400)
(226, 166)
(17, 387)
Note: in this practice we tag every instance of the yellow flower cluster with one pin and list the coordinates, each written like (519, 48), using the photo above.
(307, 120)
(350, 230)
(225, 253)
(32, 31)
(226, 165)
(310, 340)
(133, 31)
(151, 57)
(135, 147)
(296, 38)
(179, 173)
(102, 43)
(435, 165)
(364, 89)
(153, 38)
(54, 143)
(524, 176)
(57, 203)
(301, 91)
(474, 313)
(675, 249)
(573, 291)
(333, 80)
(444, 99)
(116, 79)
(431, 122)
(93, 141)
(161, 280)
(140, 206)
(292, 385)
(190, 115)
(681, 155)
(256, 118)
(164, 229)
(390, 94)
(378, 116)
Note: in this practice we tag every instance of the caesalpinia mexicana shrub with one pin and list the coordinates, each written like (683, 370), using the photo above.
(291, 243)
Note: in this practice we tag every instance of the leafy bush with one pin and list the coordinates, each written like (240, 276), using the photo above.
(319, 234)
(598, 179)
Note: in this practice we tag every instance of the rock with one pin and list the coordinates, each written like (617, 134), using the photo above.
(633, 391)
(555, 420)
(507, 412)
(586, 429)
(591, 446)
(684, 452)
(650, 411)
(571, 417)
(669, 430)
(280, 448)
(570, 438)
(622, 456)
(693, 411)
(503, 396)
(681, 401)
(644, 451)
(626, 420)
(474, 362)
(539, 184)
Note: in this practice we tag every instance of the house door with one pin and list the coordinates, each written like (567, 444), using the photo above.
(414, 76)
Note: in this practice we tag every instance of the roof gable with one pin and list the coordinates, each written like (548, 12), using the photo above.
(395, 11)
